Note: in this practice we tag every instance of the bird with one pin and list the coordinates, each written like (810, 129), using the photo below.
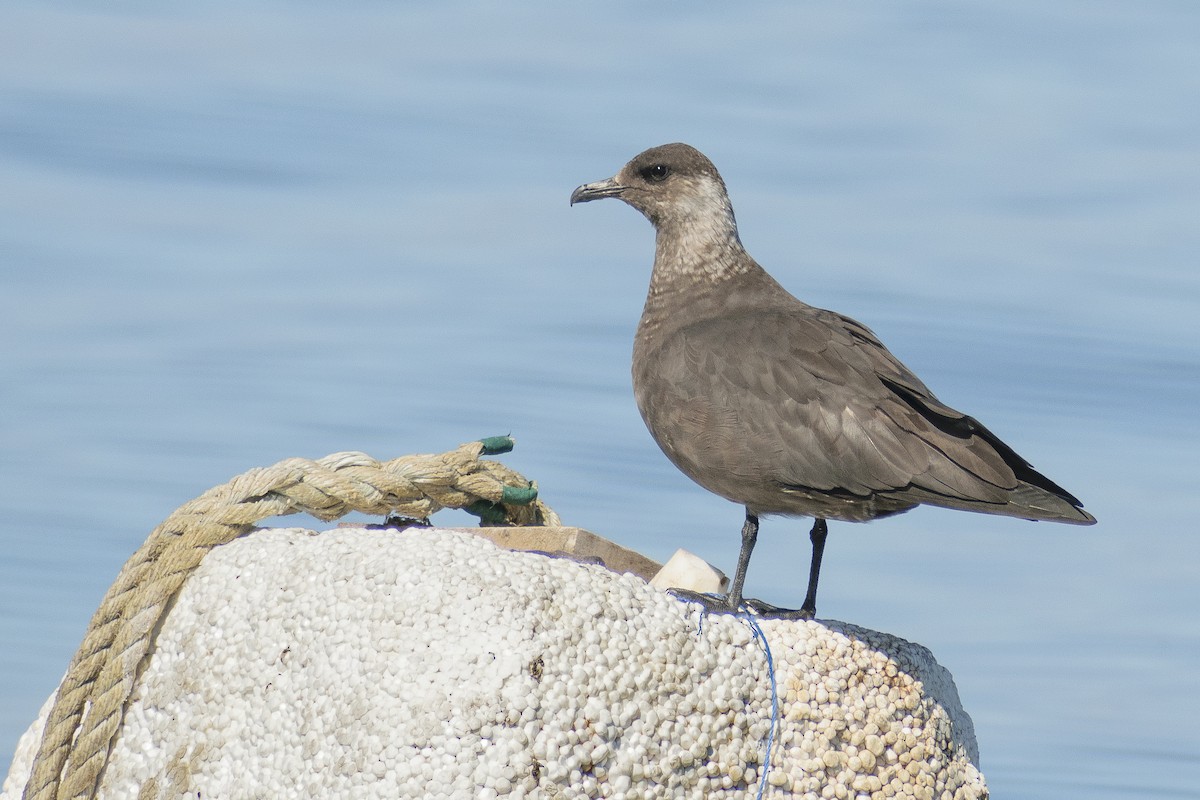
(785, 408)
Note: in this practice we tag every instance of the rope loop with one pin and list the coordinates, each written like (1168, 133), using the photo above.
(88, 710)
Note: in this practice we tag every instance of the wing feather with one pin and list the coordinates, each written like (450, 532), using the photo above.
(808, 398)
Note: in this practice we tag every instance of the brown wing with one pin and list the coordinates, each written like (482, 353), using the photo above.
(808, 402)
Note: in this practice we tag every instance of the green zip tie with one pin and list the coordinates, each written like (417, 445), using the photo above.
(518, 495)
(489, 513)
(495, 445)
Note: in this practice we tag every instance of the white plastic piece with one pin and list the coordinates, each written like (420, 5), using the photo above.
(686, 570)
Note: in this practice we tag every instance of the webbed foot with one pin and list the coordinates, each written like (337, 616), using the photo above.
(711, 603)
(768, 611)
(721, 604)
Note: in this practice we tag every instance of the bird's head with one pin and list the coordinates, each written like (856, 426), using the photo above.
(673, 185)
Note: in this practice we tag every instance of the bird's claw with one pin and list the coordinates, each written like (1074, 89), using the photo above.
(721, 604)
(768, 611)
(711, 602)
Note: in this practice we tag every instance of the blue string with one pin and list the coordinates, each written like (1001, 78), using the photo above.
(757, 630)
(761, 637)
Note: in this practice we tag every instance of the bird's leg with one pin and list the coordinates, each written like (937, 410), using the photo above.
(732, 602)
(818, 533)
(749, 537)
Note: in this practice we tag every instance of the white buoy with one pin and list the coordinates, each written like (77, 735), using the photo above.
(429, 663)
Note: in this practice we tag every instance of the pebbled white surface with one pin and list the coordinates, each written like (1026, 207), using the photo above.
(428, 663)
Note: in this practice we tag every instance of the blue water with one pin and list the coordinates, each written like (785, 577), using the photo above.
(230, 236)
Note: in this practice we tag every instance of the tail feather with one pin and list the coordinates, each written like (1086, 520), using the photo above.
(1025, 502)
(1035, 496)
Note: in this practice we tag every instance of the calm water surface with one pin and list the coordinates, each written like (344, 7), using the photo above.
(232, 236)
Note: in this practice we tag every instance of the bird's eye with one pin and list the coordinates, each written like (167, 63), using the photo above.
(656, 173)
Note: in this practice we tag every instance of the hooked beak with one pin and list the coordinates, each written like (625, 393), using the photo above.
(596, 191)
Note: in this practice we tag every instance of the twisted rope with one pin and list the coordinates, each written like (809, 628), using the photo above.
(87, 713)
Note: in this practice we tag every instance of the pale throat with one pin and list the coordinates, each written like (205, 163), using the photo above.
(699, 240)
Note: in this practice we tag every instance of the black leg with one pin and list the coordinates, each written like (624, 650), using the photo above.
(819, 531)
(749, 537)
(733, 603)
